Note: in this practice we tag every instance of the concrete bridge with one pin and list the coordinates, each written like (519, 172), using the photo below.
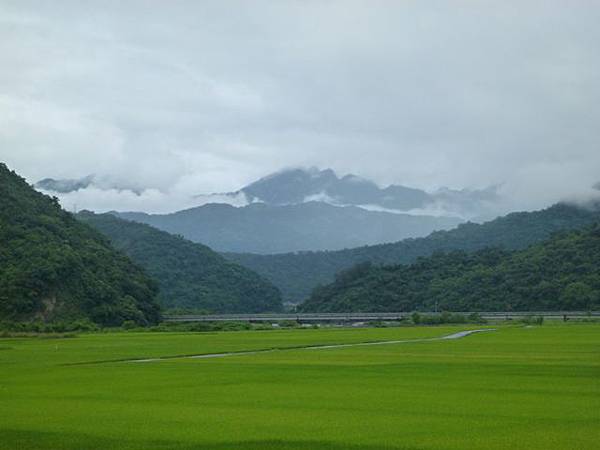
(368, 317)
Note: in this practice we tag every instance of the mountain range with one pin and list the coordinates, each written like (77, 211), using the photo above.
(297, 274)
(561, 273)
(303, 210)
(263, 228)
(304, 185)
(294, 186)
(61, 268)
(190, 276)
(53, 267)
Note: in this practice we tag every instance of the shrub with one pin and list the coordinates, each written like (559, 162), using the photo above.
(129, 325)
(288, 324)
(476, 318)
(533, 320)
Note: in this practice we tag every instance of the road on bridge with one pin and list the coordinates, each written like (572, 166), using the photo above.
(368, 317)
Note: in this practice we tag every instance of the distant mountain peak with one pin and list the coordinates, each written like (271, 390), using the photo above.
(299, 185)
(290, 186)
(298, 173)
(355, 179)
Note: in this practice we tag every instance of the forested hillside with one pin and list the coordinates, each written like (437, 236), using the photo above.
(190, 275)
(262, 228)
(562, 273)
(296, 274)
(53, 267)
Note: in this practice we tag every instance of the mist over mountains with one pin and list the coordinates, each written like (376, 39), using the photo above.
(297, 209)
(298, 185)
(292, 187)
(68, 185)
(64, 186)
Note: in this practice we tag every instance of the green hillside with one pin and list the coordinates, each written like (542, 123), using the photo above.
(266, 229)
(297, 274)
(190, 275)
(562, 273)
(53, 267)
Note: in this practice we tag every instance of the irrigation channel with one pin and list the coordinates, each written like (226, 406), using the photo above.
(459, 335)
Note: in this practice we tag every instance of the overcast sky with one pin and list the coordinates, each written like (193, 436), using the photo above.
(182, 98)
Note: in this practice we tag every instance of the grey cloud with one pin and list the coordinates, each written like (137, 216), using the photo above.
(207, 96)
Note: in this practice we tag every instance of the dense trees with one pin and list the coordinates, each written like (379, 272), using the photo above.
(562, 273)
(52, 267)
(191, 276)
(296, 274)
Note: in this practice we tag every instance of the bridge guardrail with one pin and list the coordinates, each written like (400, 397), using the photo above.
(355, 317)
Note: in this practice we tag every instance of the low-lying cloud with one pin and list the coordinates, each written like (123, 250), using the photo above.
(185, 98)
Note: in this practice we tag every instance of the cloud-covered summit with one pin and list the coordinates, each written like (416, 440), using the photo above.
(179, 97)
(298, 185)
(303, 185)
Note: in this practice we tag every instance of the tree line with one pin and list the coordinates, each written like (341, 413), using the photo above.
(562, 273)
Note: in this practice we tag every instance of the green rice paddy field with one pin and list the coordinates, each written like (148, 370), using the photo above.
(516, 387)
